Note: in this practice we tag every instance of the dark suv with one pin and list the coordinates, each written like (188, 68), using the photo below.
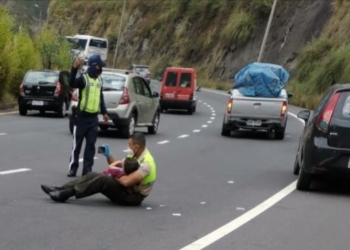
(45, 90)
(325, 143)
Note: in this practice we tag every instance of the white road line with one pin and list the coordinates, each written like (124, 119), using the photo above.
(182, 136)
(8, 113)
(162, 142)
(209, 121)
(15, 171)
(240, 221)
(212, 118)
(204, 125)
(3, 134)
(196, 131)
(81, 160)
(246, 217)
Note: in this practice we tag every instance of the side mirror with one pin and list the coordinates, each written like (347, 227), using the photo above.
(304, 115)
(290, 94)
(155, 94)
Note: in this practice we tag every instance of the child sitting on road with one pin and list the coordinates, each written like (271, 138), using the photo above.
(130, 166)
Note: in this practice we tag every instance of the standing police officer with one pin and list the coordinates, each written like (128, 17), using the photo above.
(86, 118)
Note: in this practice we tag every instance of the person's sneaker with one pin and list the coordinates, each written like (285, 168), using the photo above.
(72, 173)
(48, 189)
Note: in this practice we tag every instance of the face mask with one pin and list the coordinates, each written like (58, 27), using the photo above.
(129, 151)
(93, 72)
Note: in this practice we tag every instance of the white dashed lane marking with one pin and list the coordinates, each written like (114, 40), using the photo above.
(163, 142)
(209, 121)
(182, 136)
(204, 125)
(3, 134)
(196, 131)
(13, 171)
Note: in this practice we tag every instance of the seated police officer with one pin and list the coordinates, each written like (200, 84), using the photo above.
(116, 189)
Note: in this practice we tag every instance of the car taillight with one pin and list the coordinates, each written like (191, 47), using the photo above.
(58, 89)
(74, 96)
(125, 99)
(229, 105)
(326, 116)
(21, 89)
(284, 109)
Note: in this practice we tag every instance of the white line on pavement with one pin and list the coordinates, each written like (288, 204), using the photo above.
(3, 134)
(209, 121)
(204, 125)
(196, 131)
(182, 136)
(240, 221)
(15, 171)
(162, 142)
(212, 118)
(81, 160)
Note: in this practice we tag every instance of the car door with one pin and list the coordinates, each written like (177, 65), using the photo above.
(140, 99)
(169, 89)
(150, 102)
(186, 86)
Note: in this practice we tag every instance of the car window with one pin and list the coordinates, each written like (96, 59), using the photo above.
(146, 89)
(98, 43)
(171, 79)
(138, 86)
(185, 80)
(40, 76)
(112, 81)
(342, 109)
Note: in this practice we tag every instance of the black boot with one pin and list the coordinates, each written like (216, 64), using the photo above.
(63, 195)
(72, 173)
(48, 189)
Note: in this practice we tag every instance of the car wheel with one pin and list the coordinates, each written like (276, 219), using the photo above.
(225, 131)
(154, 128)
(304, 181)
(126, 132)
(296, 168)
(23, 111)
(279, 133)
(62, 110)
(190, 110)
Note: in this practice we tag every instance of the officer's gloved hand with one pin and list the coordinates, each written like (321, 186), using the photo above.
(106, 151)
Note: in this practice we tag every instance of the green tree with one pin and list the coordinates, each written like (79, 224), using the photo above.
(53, 49)
(27, 58)
(9, 60)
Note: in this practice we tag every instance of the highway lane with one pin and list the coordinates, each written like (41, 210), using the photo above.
(195, 181)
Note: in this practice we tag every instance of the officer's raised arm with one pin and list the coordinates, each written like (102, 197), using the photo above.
(75, 82)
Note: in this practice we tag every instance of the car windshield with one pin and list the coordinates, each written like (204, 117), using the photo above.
(141, 69)
(112, 81)
(40, 76)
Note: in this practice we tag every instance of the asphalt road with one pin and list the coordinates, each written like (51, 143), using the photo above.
(204, 182)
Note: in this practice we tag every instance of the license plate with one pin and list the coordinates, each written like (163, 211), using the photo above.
(37, 103)
(169, 95)
(254, 123)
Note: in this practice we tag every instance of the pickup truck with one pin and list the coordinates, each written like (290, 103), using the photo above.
(256, 113)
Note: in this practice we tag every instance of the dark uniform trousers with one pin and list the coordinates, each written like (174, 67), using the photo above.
(84, 127)
(94, 183)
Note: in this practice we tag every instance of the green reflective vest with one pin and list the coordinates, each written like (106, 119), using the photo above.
(91, 95)
(151, 177)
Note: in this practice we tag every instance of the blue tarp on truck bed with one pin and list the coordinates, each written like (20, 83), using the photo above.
(261, 79)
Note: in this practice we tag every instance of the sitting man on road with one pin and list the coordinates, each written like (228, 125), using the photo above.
(116, 189)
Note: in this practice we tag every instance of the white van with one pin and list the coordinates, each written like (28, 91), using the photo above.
(89, 45)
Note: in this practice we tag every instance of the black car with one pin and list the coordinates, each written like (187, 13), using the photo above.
(324, 146)
(45, 90)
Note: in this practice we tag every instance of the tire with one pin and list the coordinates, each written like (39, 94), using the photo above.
(126, 132)
(296, 168)
(62, 111)
(225, 131)
(154, 128)
(23, 111)
(194, 109)
(304, 181)
(190, 110)
(279, 133)
(42, 112)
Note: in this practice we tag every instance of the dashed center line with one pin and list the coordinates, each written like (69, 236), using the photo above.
(196, 131)
(163, 142)
(204, 125)
(15, 171)
(3, 134)
(212, 118)
(81, 160)
(209, 121)
(182, 136)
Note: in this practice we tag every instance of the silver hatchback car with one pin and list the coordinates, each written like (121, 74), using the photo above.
(130, 103)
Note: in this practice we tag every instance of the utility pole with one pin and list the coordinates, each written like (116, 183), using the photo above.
(119, 34)
(37, 6)
(262, 49)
